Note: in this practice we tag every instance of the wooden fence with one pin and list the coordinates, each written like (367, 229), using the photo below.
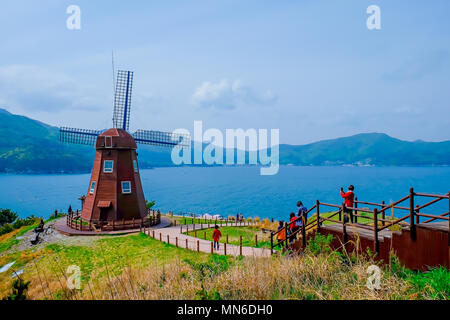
(377, 217)
(195, 244)
(75, 221)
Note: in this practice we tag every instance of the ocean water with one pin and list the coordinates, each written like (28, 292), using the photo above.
(228, 190)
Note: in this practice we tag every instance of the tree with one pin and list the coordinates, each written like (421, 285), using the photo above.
(149, 204)
(7, 216)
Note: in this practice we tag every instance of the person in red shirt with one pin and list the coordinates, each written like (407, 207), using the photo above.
(293, 227)
(216, 236)
(349, 197)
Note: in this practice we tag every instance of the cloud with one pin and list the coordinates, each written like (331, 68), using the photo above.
(227, 95)
(39, 89)
(408, 110)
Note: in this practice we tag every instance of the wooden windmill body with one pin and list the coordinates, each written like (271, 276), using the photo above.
(115, 190)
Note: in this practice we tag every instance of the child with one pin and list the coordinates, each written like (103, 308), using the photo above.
(348, 202)
(216, 236)
(281, 235)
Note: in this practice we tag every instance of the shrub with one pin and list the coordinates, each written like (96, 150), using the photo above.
(19, 289)
(6, 228)
(19, 223)
(7, 216)
(25, 222)
(320, 244)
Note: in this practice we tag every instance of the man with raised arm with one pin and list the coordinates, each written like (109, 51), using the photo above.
(349, 196)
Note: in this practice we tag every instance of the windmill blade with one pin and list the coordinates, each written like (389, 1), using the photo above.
(78, 136)
(122, 99)
(162, 139)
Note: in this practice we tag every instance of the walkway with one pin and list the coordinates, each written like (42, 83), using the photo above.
(174, 234)
(164, 230)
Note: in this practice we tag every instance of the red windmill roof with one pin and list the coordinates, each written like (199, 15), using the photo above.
(116, 139)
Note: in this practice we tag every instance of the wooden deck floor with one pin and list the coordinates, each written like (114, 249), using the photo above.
(363, 232)
(439, 226)
(369, 234)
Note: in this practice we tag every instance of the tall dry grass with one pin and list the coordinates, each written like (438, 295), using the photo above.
(308, 276)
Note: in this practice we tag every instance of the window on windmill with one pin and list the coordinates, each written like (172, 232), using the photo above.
(135, 166)
(108, 166)
(126, 186)
(92, 187)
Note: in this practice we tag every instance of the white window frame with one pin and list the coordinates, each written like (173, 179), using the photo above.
(92, 188)
(126, 191)
(108, 139)
(104, 166)
(135, 166)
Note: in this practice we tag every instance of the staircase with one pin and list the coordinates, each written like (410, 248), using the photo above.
(418, 244)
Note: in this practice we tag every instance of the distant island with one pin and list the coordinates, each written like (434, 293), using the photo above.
(30, 146)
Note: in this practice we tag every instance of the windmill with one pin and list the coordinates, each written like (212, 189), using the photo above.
(115, 190)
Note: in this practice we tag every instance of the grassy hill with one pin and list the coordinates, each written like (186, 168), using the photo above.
(30, 146)
(136, 267)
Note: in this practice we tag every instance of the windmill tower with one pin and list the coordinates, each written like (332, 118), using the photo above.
(115, 189)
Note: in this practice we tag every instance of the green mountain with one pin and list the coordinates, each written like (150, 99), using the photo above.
(368, 149)
(30, 146)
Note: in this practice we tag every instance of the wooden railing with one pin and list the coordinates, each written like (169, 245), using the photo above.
(376, 216)
(75, 221)
(223, 222)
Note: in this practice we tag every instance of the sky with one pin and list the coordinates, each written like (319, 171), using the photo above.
(310, 68)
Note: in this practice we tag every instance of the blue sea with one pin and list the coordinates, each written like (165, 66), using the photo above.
(228, 190)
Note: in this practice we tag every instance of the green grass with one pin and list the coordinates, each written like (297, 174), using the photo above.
(115, 253)
(432, 284)
(215, 276)
(105, 258)
(190, 220)
(10, 239)
(234, 234)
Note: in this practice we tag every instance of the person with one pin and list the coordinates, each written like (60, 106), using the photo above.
(293, 227)
(302, 212)
(348, 196)
(40, 227)
(281, 233)
(216, 236)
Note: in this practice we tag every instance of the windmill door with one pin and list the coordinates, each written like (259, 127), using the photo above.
(104, 214)
(104, 207)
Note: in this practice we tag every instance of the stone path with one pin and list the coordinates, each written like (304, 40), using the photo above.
(174, 233)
